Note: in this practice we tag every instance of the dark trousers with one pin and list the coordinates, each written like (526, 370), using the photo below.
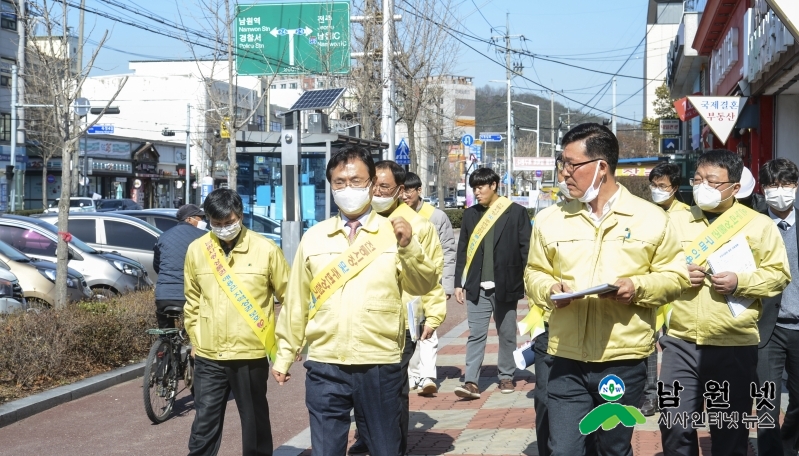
(332, 391)
(405, 413)
(651, 388)
(213, 383)
(780, 353)
(543, 363)
(693, 366)
(573, 391)
(165, 321)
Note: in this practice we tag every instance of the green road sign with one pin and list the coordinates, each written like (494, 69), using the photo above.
(293, 38)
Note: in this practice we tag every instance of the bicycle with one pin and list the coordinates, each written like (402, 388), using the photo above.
(167, 362)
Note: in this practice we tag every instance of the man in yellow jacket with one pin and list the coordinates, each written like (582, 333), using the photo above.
(232, 276)
(345, 299)
(709, 354)
(606, 235)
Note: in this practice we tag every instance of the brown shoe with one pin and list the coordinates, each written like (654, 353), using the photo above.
(468, 391)
(506, 386)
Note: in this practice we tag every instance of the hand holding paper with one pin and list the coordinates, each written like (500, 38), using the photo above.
(569, 295)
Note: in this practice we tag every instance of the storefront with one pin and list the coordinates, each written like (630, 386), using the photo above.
(146, 178)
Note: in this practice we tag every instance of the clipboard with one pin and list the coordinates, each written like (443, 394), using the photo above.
(597, 290)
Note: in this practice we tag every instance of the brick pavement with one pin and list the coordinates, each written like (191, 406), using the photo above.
(495, 424)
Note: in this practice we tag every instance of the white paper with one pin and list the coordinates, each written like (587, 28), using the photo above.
(523, 329)
(519, 353)
(734, 256)
(415, 317)
(597, 290)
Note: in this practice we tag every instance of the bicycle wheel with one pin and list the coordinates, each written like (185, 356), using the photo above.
(160, 382)
(188, 375)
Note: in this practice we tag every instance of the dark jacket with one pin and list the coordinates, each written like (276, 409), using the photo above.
(511, 243)
(771, 306)
(169, 254)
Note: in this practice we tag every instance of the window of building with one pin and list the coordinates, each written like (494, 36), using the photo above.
(8, 15)
(282, 86)
(5, 71)
(320, 84)
(275, 126)
(293, 85)
(5, 127)
(273, 86)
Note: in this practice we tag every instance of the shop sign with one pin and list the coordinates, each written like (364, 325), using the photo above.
(720, 113)
(113, 148)
(723, 59)
(768, 39)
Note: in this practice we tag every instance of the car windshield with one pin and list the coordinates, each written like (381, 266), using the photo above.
(12, 253)
(75, 203)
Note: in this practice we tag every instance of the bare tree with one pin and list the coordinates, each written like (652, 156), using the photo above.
(365, 79)
(55, 66)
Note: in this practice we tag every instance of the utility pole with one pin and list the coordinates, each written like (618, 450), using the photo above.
(509, 72)
(552, 121)
(387, 113)
(613, 120)
(19, 92)
(188, 153)
(13, 161)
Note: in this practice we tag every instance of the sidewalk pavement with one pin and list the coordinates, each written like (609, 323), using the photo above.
(495, 424)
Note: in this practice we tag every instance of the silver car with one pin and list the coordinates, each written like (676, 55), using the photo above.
(11, 298)
(128, 236)
(107, 274)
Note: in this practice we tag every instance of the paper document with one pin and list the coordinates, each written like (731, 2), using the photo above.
(734, 256)
(597, 290)
(524, 356)
(415, 318)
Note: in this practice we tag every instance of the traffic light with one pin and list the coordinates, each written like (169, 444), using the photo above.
(9, 172)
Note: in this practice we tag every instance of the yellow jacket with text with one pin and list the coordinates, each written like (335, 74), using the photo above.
(216, 329)
(634, 240)
(701, 315)
(362, 322)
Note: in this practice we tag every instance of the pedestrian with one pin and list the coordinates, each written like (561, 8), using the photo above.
(710, 349)
(778, 350)
(345, 300)
(605, 236)
(169, 258)
(432, 307)
(232, 276)
(489, 273)
(664, 185)
(422, 368)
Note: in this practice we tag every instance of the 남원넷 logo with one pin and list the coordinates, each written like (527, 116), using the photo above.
(611, 414)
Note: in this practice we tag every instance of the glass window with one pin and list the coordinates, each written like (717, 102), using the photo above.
(84, 229)
(5, 127)
(165, 223)
(127, 235)
(282, 86)
(28, 241)
(293, 85)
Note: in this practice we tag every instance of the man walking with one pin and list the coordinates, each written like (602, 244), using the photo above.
(778, 326)
(233, 276)
(422, 368)
(605, 236)
(710, 349)
(345, 300)
(489, 273)
(169, 257)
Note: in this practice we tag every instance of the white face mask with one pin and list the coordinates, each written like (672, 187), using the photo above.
(227, 233)
(201, 224)
(564, 189)
(780, 198)
(707, 197)
(659, 196)
(591, 193)
(383, 203)
(352, 200)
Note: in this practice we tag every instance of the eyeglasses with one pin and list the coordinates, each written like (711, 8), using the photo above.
(572, 167)
(663, 187)
(694, 181)
(385, 190)
(410, 191)
(354, 183)
(781, 185)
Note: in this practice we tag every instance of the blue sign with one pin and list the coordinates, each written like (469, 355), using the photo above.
(50, 179)
(490, 137)
(105, 129)
(467, 140)
(477, 151)
(505, 179)
(402, 156)
(669, 145)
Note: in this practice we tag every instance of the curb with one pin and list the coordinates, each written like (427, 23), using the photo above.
(23, 408)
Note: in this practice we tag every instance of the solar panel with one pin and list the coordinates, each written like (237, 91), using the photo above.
(317, 99)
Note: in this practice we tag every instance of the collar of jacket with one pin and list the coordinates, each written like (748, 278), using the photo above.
(372, 224)
(242, 243)
(622, 206)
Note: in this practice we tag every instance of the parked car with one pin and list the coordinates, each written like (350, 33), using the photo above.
(433, 201)
(163, 219)
(108, 205)
(37, 278)
(76, 204)
(107, 274)
(11, 298)
(167, 218)
(449, 203)
(128, 236)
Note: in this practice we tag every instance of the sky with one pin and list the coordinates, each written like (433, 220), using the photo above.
(597, 35)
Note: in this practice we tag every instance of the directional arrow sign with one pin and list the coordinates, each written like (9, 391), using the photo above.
(491, 137)
(282, 32)
(669, 145)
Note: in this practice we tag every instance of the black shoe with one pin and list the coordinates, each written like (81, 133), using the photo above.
(359, 447)
(650, 407)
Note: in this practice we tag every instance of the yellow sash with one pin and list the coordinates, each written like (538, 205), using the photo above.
(426, 211)
(353, 260)
(714, 236)
(240, 298)
(485, 224)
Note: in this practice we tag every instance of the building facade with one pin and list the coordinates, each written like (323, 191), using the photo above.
(662, 22)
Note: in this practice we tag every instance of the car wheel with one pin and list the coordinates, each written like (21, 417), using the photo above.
(103, 294)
